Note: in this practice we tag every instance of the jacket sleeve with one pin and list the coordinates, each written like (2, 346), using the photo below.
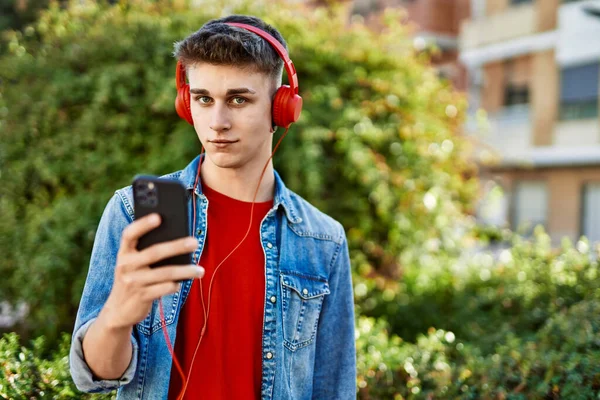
(95, 293)
(335, 358)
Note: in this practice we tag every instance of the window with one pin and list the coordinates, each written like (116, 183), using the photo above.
(579, 92)
(364, 7)
(530, 204)
(590, 217)
(517, 72)
(514, 94)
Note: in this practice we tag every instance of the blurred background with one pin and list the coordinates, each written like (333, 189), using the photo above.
(531, 68)
(457, 141)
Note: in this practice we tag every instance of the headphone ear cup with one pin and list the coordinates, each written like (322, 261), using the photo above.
(287, 107)
(182, 104)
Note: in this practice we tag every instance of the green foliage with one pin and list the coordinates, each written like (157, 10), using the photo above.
(15, 16)
(483, 298)
(29, 373)
(561, 361)
(522, 325)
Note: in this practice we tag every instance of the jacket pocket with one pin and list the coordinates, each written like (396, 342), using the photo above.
(152, 322)
(302, 298)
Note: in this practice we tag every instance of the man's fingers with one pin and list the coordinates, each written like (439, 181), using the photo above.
(158, 290)
(160, 251)
(137, 229)
(153, 276)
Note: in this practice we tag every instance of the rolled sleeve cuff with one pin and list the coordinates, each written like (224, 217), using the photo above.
(82, 374)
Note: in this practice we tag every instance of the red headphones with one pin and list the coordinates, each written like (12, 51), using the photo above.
(287, 103)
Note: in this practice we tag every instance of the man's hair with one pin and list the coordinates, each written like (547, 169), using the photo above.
(220, 44)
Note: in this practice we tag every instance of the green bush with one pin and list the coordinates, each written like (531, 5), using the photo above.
(31, 373)
(482, 298)
(523, 326)
(560, 361)
(13, 16)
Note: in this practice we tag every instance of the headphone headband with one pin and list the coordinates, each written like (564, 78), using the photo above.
(288, 64)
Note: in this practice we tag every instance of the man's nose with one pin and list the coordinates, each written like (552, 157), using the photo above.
(220, 119)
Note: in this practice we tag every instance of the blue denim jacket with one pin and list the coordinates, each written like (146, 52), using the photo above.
(308, 332)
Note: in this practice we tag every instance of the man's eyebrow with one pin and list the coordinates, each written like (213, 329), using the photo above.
(230, 92)
(203, 92)
(240, 91)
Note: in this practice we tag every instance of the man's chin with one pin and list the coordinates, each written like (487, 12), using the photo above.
(224, 160)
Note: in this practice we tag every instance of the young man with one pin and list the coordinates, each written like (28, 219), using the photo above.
(279, 313)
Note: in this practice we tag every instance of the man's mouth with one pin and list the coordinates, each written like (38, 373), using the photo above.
(222, 141)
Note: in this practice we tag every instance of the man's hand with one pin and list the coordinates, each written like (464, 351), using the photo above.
(107, 344)
(136, 285)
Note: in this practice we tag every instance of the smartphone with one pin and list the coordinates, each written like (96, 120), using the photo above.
(168, 198)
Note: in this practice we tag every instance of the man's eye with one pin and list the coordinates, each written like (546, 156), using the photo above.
(203, 99)
(238, 101)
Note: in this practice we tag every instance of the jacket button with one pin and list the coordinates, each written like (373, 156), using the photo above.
(199, 231)
(305, 291)
(269, 245)
(269, 355)
(273, 299)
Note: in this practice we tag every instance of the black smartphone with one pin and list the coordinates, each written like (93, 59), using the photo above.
(167, 198)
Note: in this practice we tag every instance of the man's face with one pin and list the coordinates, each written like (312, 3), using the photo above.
(231, 108)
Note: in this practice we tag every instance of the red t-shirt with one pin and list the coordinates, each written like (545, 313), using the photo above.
(229, 360)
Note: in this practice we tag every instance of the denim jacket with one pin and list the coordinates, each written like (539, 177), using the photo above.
(308, 328)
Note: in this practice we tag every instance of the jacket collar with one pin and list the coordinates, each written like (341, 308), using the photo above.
(282, 193)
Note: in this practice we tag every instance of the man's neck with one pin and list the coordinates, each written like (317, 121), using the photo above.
(239, 183)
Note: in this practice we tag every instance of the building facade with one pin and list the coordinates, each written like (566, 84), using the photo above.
(534, 67)
(435, 22)
(531, 71)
